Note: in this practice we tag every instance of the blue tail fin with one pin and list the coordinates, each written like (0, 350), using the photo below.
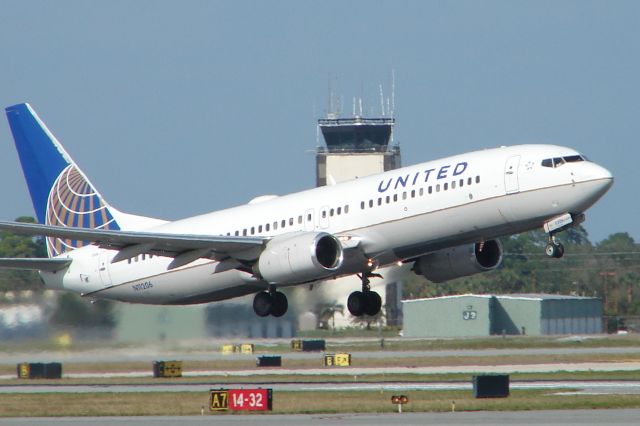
(60, 192)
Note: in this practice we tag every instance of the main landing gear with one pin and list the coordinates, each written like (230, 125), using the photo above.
(270, 302)
(365, 302)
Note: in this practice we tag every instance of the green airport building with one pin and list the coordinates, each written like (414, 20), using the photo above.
(473, 315)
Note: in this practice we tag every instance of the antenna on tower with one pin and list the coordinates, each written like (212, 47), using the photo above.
(393, 92)
(381, 101)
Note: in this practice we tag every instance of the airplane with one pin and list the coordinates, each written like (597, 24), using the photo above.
(444, 216)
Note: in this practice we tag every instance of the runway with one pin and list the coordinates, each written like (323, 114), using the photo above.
(365, 371)
(485, 418)
(577, 387)
(150, 353)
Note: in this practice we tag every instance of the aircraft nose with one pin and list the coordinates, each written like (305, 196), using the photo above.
(603, 174)
(601, 177)
(595, 172)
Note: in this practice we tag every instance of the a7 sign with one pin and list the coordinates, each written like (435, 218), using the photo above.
(240, 399)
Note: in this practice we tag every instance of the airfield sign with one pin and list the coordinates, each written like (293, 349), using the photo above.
(240, 399)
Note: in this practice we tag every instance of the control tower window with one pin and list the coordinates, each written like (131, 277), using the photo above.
(357, 134)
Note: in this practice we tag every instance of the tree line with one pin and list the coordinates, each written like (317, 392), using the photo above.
(608, 270)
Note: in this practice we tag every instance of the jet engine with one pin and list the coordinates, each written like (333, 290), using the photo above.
(459, 261)
(300, 257)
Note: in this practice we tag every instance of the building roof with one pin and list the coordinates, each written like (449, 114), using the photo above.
(524, 296)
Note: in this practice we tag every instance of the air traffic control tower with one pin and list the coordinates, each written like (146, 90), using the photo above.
(355, 147)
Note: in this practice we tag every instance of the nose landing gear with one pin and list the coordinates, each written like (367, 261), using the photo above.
(365, 302)
(554, 248)
(557, 224)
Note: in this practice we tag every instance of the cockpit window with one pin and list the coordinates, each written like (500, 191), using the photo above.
(573, 159)
(559, 161)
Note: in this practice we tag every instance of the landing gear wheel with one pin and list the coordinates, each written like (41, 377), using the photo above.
(262, 304)
(555, 250)
(364, 303)
(279, 304)
(356, 303)
(372, 303)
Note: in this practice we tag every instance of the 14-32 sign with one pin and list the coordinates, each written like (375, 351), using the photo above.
(240, 399)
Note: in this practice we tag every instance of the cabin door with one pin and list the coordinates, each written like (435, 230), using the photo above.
(511, 184)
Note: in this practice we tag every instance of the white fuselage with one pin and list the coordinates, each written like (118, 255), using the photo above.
(395, 216)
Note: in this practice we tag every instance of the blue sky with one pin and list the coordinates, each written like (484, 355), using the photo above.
(180, 108)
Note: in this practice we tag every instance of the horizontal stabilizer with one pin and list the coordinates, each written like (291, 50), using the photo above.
(37, 264)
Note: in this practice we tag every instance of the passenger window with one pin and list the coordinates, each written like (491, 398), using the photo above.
(395, 197)
(267, 227)
(324, 214)
(421, 192)
(446, 186)
(283, 223)
(438, 188)
(477, 179)
(259, 229)
(461, 183)
(371, 203)
(413, 193)
(469, 181)
(244, 232)
(453, 185)
(275, 225)
(430, 190)
(237, 233)
(362, 205)
(290, 221)
(346, 209)
(379, 201)
(300, 220)
(309, 217)
(339, 211)
(331, 212)
(404, 195)
(388, 199)
(253, 230)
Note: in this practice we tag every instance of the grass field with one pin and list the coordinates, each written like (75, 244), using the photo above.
(286, 402)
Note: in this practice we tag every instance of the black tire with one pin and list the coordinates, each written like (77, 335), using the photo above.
(550, 250)
(356, 303)
(555, 250)
(279, 304)
(372, 303)
(262, 304)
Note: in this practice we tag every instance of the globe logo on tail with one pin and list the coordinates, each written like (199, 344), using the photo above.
(73, 202)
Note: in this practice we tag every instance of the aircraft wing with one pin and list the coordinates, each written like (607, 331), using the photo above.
(38, 264)
(133, 243)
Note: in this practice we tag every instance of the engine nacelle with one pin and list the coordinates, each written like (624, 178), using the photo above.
(459, 261)
(298, 258)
